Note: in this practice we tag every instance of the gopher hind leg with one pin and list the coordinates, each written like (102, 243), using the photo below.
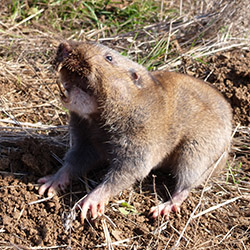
(192, 163)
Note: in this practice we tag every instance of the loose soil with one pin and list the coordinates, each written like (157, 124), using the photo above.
(28, 221)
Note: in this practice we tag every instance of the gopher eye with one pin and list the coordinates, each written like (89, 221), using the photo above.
(109, 58)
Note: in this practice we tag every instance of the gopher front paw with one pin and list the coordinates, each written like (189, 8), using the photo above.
(54, 183)
(93, 204)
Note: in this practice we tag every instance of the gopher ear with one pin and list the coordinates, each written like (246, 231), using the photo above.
(136, 78)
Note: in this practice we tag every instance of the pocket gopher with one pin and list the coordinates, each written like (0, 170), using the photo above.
(136, 121)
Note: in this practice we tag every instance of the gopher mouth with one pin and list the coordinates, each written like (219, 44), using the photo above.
(71, 80)
(75, 93)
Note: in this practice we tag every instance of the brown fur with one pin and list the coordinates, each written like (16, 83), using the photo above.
(138, 121)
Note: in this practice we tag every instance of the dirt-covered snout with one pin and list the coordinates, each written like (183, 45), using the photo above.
(75, 92)
(71, 65)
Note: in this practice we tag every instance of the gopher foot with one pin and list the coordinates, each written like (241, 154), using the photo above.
(94, 203)
(173, 205)
(53, 183)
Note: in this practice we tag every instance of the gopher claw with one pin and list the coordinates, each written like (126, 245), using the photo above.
(93, 204)
(53, 183)
(170, 206)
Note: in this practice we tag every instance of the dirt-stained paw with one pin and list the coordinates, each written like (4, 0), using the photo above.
(53, 183)
(164, 209)
(93, 205)
(170, 206)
